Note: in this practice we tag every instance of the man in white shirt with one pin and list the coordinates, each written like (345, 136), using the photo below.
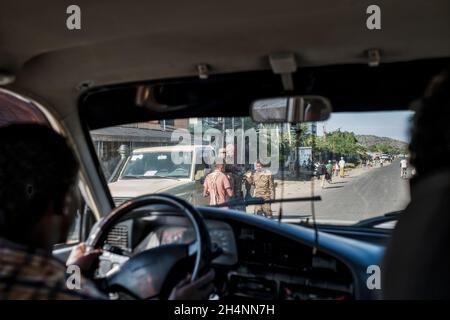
(404, 167)
(341, 167)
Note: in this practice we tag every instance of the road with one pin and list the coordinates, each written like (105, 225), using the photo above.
(362, 194)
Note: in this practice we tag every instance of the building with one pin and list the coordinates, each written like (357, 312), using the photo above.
(107, 141)
(311, 128)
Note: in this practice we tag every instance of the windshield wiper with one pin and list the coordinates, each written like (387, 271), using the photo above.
(131, 177)
(258, 201)
(161, 177)
(372, 222)
(150, 177)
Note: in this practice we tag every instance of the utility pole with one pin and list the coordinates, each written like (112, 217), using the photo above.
(242, 142)
(289, 133)
(298, 132)
(223, 132)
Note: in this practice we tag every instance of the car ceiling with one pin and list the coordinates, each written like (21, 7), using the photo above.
(124, 41)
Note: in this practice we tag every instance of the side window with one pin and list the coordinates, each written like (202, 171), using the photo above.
(15, 110)
(81, 224)
(75, 230)
(82, 213)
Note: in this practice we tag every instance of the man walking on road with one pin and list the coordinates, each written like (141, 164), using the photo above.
(336, 168)
(217, 186)
(264, 188)
(404, 167)
(341, 167)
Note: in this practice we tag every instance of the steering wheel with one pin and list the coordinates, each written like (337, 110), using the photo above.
(144, 275)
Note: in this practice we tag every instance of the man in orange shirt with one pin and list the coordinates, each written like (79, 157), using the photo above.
(217, 186)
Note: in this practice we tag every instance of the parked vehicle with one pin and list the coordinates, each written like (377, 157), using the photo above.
(153, 170)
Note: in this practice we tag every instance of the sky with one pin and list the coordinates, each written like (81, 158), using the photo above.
(393, 124)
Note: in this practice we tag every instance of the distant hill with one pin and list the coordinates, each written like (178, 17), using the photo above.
(371, 140)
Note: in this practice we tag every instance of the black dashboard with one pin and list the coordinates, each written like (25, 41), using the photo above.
(260, 258)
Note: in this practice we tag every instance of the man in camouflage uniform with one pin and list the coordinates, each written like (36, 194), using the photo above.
(264, 187)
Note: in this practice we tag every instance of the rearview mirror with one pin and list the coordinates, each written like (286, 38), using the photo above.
(291, 109)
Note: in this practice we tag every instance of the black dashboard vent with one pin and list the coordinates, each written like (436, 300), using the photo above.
(118, 236)
(119, 200)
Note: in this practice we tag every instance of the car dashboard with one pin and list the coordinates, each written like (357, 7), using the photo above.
(259, 259)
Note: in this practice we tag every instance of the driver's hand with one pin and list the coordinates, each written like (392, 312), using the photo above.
(84, 260)
(197, 290)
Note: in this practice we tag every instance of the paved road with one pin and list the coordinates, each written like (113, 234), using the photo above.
(371, 193)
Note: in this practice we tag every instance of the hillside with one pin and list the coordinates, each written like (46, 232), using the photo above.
(371, 140)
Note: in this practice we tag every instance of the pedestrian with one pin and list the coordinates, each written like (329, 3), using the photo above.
(341, 167)
(234, 174)
(264, 187)
(336, 168)
(217, 186)
(404, 168)
(329, 171)
(322, 171)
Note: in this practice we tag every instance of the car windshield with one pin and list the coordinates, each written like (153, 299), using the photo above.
(147, 164)
(356, 162)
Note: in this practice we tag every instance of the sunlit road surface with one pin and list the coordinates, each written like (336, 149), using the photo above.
(362, 194)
